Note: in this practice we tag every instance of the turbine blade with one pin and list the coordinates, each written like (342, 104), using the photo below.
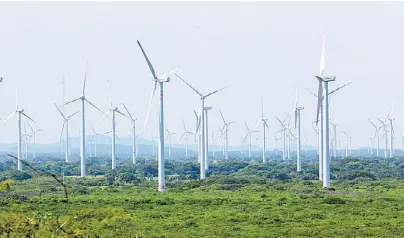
(74, 113)
(216, 91)
(266, 124)
(32, 129)
(72, 101)
(183, 123)
(60, 111)
(7, 118)
(126, 109)
(85, 79)
(392, 108)
(93, 105)
(150, 102)
(148, 61)
(322, 62)
(189, 85)
(280, 121)
(61, 132)
(221, 114)
(373, 124)
(27, 117)
(311, 92)
(341, 87)
(102, 117)
(122, 113)
(245, 123)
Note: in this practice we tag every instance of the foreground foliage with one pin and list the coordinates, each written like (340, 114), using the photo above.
(238, 199)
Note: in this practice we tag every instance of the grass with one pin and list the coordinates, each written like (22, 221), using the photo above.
(212, 208)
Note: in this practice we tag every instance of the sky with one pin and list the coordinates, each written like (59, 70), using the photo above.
(261, 49)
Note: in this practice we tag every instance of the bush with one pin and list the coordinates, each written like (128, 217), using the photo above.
(333, 200)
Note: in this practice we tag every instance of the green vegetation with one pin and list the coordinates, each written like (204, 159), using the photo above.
(239, 199)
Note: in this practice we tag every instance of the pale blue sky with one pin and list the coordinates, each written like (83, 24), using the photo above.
(261, 49)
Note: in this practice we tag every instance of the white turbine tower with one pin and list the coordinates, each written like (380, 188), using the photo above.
(186, 133)
(377, 136)
(202, 140)
(297, 111)
(385, 137)
(249, 134)
(83, 99)
(33, 137)
(66, 123)
(263, 120)
(134, 143)
(137, 144)
(113, 110)
(323, 86)
(347, 142)
(392, 134)
(283, 136)
(169, 141)
(20, 112)
(226, 134)
(161, 79)
(334, 129)
(206, 109)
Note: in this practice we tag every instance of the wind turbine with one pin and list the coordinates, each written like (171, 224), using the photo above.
(334, 127)
(169, 140)
(206, 138)
(226, 133)
(33, 137)
(161, 79)
(137, 144)
(134, 143)
(186, 133)
(113, 110)
(392, 134)
(297, 110)
(94, 137)
(203, 156)
(377, 134)
(66, 122)
(263, 120)
(20, 112)
(83, 99)
(385, 137)
(283, 125)
(198, 137)
(347, 142)
(249, 134)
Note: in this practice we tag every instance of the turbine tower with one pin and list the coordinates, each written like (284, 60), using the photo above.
(83, 99)
(202, 140)
(283, 125)
(186, 133)
(133, 123)
(347, 142)
(206, 138)
(161, 79)
(385, 137)
(297, 110)
(65, 123)
(392, 134)
(169, 141)
(377, 136)
(226, 134)
(20, 112)
(323, 86)
(263, 120)
(113, 109)
(249, 134)
(33, 137)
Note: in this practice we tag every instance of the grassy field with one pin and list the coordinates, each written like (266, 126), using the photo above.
(216, 207)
